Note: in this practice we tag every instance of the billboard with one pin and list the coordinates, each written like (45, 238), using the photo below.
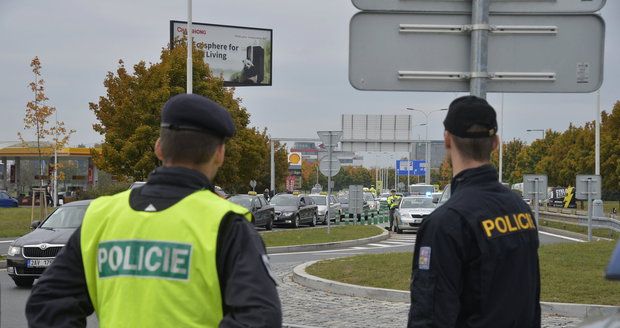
(240, 55)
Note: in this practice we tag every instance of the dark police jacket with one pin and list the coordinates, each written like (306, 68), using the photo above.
(475, 261)
(60, 297)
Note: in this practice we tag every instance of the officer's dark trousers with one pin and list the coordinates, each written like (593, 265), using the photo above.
(392, 210)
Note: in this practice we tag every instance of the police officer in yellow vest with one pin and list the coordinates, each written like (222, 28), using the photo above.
(393, 201)
(168, 254)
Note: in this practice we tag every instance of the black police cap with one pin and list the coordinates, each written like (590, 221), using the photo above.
(197, 113)
(468, 111)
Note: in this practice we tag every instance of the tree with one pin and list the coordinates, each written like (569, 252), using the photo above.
(445, 172)
(129, 114)
(37, 118)
(610, 152)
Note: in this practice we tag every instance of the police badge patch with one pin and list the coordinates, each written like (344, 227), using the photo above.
(424, 261)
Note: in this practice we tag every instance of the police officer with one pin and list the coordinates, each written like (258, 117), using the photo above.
(168, 254)
(393, 201)
(475, 260)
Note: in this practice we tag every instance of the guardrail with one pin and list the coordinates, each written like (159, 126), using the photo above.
(597, 222)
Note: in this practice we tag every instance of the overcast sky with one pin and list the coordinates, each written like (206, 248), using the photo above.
(79, 41)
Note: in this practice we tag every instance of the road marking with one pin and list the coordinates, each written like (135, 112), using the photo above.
(397, 242)
(379, 245)
(560, 236)
(311, 252)
(6, 241)
(361, 247)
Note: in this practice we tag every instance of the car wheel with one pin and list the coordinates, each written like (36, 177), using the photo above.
(269, 224)
(314, 219)
(296, 221)
(23, 281)
(326, 218)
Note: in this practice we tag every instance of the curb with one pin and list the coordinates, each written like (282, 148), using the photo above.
(570, 233)
(301, 277)
(325, 246)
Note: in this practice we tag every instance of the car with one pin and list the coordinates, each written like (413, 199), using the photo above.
(411, 211)
(344, 205)
(373, 204)
(334, 212)
(445, 195)
(294, 210)
(263, 213)
(421, 189)
(29, 255)
(6, 200)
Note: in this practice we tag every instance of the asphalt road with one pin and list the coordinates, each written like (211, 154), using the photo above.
(13, 299)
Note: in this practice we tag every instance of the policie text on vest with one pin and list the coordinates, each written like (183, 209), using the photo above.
(144, 258)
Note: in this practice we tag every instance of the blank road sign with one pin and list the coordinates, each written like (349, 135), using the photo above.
(496, 6)
(431, 52)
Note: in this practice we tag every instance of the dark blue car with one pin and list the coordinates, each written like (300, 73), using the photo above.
(6, 200)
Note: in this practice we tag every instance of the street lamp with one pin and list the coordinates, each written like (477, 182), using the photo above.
(427, 157)
(537, 130)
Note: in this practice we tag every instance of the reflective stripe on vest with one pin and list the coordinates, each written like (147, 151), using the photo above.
(155, 269)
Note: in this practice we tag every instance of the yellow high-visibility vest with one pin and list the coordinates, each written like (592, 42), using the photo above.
(155, 269)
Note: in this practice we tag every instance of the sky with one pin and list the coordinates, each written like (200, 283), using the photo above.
(79, 41)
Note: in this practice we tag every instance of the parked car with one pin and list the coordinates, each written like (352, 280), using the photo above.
(294, 210)
(29, 255)
(421, 189)
(334, 212)
(263, 213)
(6, 200)
(411, 211)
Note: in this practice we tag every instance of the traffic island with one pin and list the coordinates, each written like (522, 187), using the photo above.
(303, 240)
(572, 282)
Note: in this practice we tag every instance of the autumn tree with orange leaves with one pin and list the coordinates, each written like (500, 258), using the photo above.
(37, 118)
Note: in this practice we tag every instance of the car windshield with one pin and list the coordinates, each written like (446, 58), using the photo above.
(417, 203)
(343, 200)
(319, 200)
(284, 200)
(368, 196)
(421, 190)
(4, 195)
(69, 217)
(244, 201)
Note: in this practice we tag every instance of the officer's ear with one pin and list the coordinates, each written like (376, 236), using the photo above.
(219, 155)
(158, 152)
(495, 142)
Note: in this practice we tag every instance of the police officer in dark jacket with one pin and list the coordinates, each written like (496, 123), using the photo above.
(475, 260)
(186, 257)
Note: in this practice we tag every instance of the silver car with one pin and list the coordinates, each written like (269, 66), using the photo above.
(411, 212)
(334, 211)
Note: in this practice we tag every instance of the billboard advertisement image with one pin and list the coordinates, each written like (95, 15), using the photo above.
(240, 55)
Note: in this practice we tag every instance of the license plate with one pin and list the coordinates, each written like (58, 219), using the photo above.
(39, 263)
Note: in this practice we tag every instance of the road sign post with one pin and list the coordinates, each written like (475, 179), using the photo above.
(330, 140)
(588, 187)
(535, 185)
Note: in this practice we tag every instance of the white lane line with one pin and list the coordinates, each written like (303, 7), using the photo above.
(397, 243)
(560, 236)
(311, 252)
(360, 247)
(6, 241)
(378, 245)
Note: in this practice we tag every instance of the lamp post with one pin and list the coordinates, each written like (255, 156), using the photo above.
(427, 157)
(537, 130)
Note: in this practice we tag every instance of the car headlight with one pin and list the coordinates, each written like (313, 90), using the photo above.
(14, 250)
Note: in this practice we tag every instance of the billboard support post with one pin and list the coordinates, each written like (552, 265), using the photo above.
(190, 46)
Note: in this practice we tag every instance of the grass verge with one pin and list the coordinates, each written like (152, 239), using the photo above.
(318, 235)
(570, 272)
(598, 232)
(15, 222)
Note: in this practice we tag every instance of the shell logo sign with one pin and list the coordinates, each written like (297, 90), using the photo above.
(294, 159)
